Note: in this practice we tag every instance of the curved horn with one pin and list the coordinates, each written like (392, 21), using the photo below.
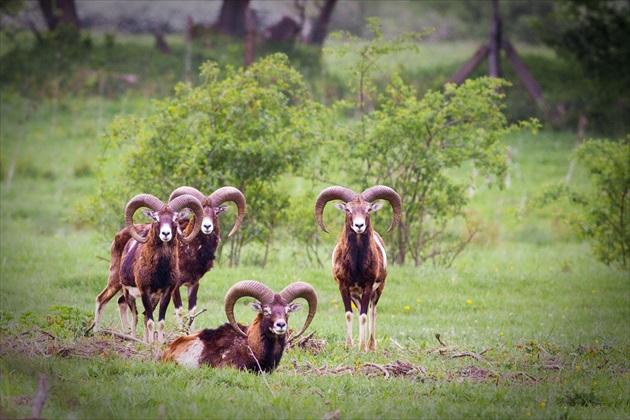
(224, 194)
(191, 202)
(300, 289)
(243, 288)
(140, 200)
(187, 190)
(331, 193)
(382, 192)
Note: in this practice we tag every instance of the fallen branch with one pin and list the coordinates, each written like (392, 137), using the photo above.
(415, 344)
(121, 335)
(191, 319)
(437, 335)
(467, 354)
(303, 339)
(40, 397)
(397, 344)
(251, 352)
(381, 368)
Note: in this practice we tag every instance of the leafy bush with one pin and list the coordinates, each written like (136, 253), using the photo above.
(604, 218)
(415, 145)
(244, 128)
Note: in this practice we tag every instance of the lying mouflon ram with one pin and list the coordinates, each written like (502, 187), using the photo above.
(257, 347)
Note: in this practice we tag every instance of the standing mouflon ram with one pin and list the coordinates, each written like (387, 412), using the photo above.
(257, 347)
(149, 264)
(359, 260)
(196, 257)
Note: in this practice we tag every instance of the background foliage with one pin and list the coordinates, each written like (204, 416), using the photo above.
(546, 320)
(604, 216)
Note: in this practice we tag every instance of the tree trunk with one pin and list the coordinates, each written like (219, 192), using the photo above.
(250, 38)
(232, 17)
(319, 31)
(59, 11)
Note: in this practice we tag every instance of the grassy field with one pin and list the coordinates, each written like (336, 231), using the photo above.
(531, 324)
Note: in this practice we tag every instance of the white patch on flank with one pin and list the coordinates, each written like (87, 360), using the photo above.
(134, 244)
(333, 254)
(190, 357)
(134, 291)
(379, 242)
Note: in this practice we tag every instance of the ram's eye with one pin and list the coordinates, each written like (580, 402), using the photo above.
(266, 311)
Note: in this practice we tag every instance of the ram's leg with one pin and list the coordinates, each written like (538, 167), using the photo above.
(347, 303)
(101, 300)
(166, 299)
(365, 303)
(192, 303)
(134, 316)
(375, 297)
(123, 311)
(179, 308)
(149, 324)
(356, 299)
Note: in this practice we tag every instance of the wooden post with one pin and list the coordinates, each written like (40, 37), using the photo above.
(470, 65)
(532, 86)
(494, 55)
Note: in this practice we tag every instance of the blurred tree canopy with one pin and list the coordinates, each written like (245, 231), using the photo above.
(593, 36)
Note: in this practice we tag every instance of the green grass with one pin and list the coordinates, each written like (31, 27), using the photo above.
(548, 323)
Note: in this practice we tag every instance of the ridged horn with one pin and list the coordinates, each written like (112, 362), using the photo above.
(300, 289)
(187, 190)
(140, 200)
(235, 195)
(328, 194)
(241, 289)
(385, 193)
(191, 202)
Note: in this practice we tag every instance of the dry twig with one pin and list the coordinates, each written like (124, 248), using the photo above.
(40, 397)
(467, 354)
(122, 336)
(251, 352)
(381, 368)
(437, 335)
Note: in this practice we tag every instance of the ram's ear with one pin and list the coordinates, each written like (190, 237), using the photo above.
(376, 206)
(221, 209)
(256, 307)
(181, 214)
(340, 206)
(294, 307)
(150, 214)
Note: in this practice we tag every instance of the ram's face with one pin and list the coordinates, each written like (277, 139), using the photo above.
(211, 218)
(164, 224)
(207, 224)
(275, 315)
(358, 213)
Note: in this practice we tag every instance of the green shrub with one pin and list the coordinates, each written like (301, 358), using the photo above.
(604, 216)
(245, 128)
(415, 145)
